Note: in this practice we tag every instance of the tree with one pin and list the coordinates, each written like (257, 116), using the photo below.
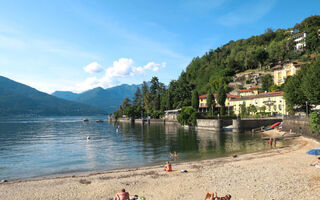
(125, 104)
(274, 88)
(188, 116)
(293, 92)
(311, 83)
(195, 99)
(261, 55)
(210, 102)
(137, 102)
(267, 82)
(262, 109)
(252, 109)
(221, 99)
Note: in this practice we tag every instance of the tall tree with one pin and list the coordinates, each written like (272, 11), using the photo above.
(261, 55)
(294, 94)
(137, 102)
(311, 83)
(195, 99)
(221, 98)
(267, 82)
(210, 102)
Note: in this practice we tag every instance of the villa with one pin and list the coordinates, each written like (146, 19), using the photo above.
(272, 102)
(299, 40)
(282, 72)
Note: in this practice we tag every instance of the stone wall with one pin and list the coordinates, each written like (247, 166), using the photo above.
(299, 126)
(248, 124)
(209, 124)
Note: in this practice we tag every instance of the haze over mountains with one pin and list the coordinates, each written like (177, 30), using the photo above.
(107, 100)
(20, 99)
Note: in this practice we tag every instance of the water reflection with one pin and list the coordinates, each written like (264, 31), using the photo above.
(43, 146)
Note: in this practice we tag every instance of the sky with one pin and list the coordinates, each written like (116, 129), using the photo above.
(79, 45)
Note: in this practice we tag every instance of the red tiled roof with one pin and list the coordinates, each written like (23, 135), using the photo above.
(203, 96)
(215, 96)
(268, 94)
(277, 67)
(245, 90)
(250, 89)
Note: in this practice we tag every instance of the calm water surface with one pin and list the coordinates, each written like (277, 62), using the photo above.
(46, 146)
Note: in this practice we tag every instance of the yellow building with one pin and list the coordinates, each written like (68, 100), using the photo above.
(281, 72)
(203, 101)
(273, 102)
(254, 90)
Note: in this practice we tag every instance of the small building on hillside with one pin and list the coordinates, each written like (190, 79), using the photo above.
(250, 91)
(272, 102)
(300, 40)
(282, 71)
(203, 102)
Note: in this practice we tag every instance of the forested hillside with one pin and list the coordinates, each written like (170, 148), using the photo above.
(212, 72)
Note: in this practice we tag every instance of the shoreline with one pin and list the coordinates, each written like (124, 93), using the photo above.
(223, 175)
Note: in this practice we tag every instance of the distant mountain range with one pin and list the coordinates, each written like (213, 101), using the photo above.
(20, 99)
(106, 99)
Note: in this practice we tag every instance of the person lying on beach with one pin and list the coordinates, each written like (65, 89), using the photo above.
(123, 195)
(168, 167)
(317, 163)
(210, 196)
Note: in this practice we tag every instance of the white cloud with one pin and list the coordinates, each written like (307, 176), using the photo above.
(124, 67)
(121, 68)
(93, 67)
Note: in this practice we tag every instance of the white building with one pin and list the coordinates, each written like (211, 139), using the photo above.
(300, 40)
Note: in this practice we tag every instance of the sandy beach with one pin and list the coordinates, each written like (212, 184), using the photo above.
(283, 173)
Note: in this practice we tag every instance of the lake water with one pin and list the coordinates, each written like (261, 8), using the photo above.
(48, 146)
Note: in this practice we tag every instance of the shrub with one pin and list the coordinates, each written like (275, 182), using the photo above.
(315, 121)
(188, 116)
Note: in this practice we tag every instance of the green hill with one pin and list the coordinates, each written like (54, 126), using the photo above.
(20, 99)
(217, 67)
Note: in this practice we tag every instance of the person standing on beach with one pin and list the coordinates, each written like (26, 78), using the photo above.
(123, 195)
(275, 142)
(270, 142)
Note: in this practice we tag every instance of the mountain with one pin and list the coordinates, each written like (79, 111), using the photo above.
(106, 99)
(20, 99)
(65, 95)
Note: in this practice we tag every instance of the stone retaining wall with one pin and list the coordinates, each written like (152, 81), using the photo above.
(299, 126)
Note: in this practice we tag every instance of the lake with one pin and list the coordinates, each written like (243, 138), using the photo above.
(50, 146)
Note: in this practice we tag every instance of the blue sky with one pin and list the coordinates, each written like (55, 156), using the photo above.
(79, 45)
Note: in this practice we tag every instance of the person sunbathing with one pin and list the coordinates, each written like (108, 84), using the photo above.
(168, 167)
(317, 163)
(123, 195)
(209, 195)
